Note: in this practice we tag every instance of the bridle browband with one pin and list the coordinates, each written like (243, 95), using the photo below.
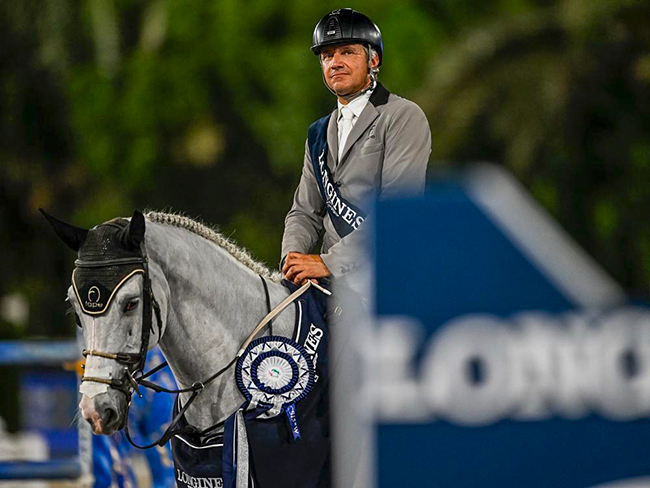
(138, 359)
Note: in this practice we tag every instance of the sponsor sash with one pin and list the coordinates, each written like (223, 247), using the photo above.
(345, 216)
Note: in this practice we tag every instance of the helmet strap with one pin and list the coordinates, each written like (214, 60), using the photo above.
(370, 87)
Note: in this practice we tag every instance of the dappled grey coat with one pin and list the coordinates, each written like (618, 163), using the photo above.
(386, 153)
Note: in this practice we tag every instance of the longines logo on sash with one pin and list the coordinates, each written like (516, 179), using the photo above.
(311, 345)
(335, 203)
(345, 216)
(194, 482)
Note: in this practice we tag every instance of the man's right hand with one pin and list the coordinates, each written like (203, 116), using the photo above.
(299, 267)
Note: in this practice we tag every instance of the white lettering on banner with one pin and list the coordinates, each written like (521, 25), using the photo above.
(194, 482)
(334, 202)
(311, 344)
(349, 215)
(478, 369)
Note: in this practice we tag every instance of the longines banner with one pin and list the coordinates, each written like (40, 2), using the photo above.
(496, 353)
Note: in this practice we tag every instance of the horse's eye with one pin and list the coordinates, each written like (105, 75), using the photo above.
(131, 305)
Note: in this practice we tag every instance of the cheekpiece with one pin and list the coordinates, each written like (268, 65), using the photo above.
(275, 373)
(105, 263)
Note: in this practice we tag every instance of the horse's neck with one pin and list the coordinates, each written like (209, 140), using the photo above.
(215, 302)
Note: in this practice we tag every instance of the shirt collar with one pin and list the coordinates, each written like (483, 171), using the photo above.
(357, 105)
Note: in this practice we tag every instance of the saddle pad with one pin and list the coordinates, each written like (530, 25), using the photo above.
(275, 457)
(197, 462)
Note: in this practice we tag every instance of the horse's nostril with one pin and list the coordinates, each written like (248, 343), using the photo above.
(110, 416)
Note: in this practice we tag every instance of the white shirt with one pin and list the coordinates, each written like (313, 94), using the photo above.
(356, 106)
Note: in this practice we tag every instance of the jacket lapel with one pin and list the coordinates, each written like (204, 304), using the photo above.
(333, 140)
(368, 115)
(379, 96)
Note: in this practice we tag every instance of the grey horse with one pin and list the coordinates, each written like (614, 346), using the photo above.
(209, 297)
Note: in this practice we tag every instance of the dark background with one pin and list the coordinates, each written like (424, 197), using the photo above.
(202, 107)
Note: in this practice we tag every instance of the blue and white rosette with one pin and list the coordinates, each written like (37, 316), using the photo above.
(275, 373)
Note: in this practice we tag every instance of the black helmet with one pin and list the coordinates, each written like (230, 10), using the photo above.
(344, 26)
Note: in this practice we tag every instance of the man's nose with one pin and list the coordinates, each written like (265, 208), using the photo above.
(337, 59)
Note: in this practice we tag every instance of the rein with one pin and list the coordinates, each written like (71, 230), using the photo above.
(138, 359)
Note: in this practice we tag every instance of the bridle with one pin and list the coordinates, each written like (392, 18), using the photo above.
(134, 362)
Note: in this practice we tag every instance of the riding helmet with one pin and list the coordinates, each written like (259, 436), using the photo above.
(345, 26)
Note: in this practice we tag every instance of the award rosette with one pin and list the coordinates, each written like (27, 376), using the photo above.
(275, 373)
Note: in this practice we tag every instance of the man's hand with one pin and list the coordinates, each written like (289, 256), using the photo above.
(300, 267)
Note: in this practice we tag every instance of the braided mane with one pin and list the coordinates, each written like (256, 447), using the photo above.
(202, 230)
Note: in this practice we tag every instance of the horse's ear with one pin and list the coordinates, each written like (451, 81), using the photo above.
(74, 237)
(136, 229)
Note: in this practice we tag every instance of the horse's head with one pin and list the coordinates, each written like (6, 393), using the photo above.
(112, 297)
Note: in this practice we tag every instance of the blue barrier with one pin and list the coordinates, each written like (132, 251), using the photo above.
(48, 353)
(38, 352)
(51, 470)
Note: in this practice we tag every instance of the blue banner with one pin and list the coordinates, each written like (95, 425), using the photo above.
(502, 355)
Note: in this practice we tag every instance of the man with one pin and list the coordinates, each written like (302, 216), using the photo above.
(373, 144)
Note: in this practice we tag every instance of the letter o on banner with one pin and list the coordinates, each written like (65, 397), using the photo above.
(467, 370)
(624, 365)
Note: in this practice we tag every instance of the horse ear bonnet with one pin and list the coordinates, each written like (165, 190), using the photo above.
(96, 284)
(72, 236)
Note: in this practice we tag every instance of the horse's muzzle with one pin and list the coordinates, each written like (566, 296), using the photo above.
(104, 412)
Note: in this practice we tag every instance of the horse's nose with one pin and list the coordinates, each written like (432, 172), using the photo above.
(90, 415)
(110, 416)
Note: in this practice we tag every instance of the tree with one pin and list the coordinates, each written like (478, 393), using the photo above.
(559, 95)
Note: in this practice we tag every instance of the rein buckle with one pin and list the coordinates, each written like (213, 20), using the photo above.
(134, 383)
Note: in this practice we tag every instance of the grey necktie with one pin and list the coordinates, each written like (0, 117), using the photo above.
(345, 126)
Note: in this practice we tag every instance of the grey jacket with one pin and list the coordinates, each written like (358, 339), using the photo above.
(385, 154)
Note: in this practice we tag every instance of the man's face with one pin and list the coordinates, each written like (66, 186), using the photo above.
(345, 68)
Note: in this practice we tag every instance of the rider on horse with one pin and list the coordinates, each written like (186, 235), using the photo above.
(373, 144)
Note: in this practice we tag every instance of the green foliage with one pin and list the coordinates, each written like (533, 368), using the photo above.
(558, 94)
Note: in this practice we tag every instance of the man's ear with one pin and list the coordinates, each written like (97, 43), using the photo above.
(375, 59)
